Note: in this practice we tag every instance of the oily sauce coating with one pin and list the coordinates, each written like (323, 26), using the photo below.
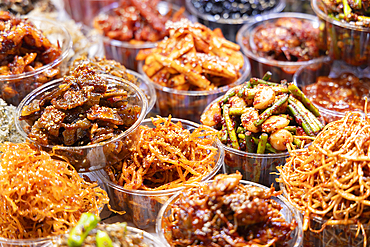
(226, 213)
(24, 48)
(84, 109)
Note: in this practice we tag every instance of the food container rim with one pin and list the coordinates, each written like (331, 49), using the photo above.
(296, 214)
(243, 153)
(321, 109)
(258, 20)
(320, 13)
(145, 234)
(28, 242)
(65, 51)
(278, 8)
(53, 84)
(128, 45)
(246, 70)
(217, 167)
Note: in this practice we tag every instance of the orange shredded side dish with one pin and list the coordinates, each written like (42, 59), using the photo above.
(41, 196)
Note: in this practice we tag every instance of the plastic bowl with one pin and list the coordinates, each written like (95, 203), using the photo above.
(125, 52)
(229, 27)
(308, 74)
(344, 41)
(189, 104)
(85, 10)
(288, 211)
(26, 82)
(260, 65)
(95, 156)
(37, 242)
(141, 206)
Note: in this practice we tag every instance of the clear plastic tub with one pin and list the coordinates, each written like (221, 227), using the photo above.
(189, 104)
(288, 211)
(260, 65)
(125, 52)
(95, 156)
(229, 27)
(344, 41)
(25, 82)
(308, 74)
(141, 206)
(37, 242)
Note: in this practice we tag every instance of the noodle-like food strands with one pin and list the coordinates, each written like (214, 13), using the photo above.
(166, 157)
(330, 180)
(41, 196)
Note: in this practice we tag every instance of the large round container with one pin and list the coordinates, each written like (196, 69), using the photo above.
(94, 156)
(142, 206)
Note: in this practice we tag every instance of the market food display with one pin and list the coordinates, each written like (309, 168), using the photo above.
(327, 181)
(135, 22)
(88, 232)
(24, 50)
(348, 92)
(85, 109)
(8, 132)
(41, 196)
(226, 212)
(263, 117)
(23, 7)
(286, 39)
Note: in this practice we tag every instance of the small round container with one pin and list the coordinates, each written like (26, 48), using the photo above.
(142, 206)
(95, 156)
(260, 65)
(189, 104)
(126, 52)
(85, 10)
(37, 242)
(258, 168)
(308, 74)
(287, 210)
(229, 27)
(344, 41)
(25, 82)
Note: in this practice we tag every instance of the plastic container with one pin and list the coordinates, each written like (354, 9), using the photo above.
(141, 206)
(125, 52)
(189, 104)
(260, 65)
(308, 74)
(85, 10)
(344, 41)
(26, 82)
(37, 242)
(287, 210)
(229, 27)
(95, 156)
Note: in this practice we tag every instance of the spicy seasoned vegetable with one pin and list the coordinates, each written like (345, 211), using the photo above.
(226, 213)
(263, 117)
(85, 109)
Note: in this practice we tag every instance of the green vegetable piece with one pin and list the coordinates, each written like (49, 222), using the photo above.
(229, 94)
(292, 129)
(237, 111)
(230, 127)
(293, 89)
(262, 143)
(297, 142)
(245, 87)
(269, 111)
(256, 81)
(103, 239)
(267, 76)
(87, 222)
(300, 120)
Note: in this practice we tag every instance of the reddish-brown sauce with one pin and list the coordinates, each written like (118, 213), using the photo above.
(345, 93)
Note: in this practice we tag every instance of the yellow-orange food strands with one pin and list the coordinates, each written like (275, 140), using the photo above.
(41, 196)
(329, 179)
(166, 157)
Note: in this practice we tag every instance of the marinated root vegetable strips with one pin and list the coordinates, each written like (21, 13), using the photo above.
(264, 117)
(225, 212)
(328, 181)
(166, 157)
(41, 196)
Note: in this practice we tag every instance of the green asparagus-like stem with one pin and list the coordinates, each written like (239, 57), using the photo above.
(246, 86)
(269, 111)
(256, 81)
(292, 129)
(229, 94)
(103, 239)
(262, 143)
(87, 222)
(297, 142)
(268, 146)
(230, 127)
(301, 121)
(346, 8)
(267, 76)
(249, 145)
(237, 111)
(223, 134)
(240, 130)
(293, 89)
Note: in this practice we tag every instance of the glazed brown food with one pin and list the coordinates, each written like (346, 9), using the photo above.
(136, 21)
(342, 94)
(226, 213)
(23, 7)
(84, 109)
(286, 39)
(24, 48)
